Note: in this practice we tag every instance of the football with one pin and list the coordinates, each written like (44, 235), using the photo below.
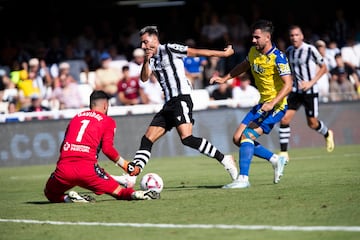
(152, 181)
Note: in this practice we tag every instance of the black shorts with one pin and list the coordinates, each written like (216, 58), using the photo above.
(309, 101)
(175, 112)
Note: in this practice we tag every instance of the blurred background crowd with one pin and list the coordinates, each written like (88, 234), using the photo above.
(53, 54)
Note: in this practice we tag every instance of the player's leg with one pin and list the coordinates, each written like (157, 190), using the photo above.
(238, 133)
(121, 193)
(157, 128)
(180, 116)
(251, 128)
(55, 190)
(246, 153)
(143, 154)
(295, 101)
(63, 179)
(242, 138)
(311, 105)
(285, 133)
(321, 128)
(101, 182)
(205, 147)
(277, 161)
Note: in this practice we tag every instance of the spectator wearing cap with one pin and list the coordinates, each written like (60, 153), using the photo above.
(76, 64)
(136, 62)
(40, 75)
(151, 90)
(324, 81)
(329, 58)
(64, 68)
(107, 77)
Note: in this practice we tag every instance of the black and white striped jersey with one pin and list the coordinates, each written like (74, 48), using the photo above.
(168, 67)
(304, 62)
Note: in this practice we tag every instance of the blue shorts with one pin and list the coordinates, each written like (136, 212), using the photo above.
(265, 120)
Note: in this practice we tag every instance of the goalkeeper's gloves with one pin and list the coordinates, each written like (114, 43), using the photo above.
(130, 167)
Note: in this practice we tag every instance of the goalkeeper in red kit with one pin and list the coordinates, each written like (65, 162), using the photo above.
(87, 133)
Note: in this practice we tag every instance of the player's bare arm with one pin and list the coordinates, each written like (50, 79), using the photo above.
(145, 70)
(236, 71)
(306, 85)
(194, 52)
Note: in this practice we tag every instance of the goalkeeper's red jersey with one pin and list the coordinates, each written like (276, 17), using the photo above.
(88, 133)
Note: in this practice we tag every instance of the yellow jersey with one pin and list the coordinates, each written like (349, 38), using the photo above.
(267, 70)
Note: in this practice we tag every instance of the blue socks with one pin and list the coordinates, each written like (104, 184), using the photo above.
(248, 149)
(246, 153)
(261, 152)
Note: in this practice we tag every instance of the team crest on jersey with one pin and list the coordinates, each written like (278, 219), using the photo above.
(258, 69)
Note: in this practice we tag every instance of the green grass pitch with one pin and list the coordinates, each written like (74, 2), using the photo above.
(317, 198)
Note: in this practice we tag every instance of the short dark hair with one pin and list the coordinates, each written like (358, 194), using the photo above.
(294, 26)
(264, 25)
(98, 94)
(151, 30)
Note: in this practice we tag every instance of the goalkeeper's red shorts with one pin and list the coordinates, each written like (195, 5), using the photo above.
(88, 176)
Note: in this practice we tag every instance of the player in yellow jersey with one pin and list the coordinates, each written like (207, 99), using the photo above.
(272, 75)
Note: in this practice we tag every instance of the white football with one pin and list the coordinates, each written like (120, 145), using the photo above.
(152, 181)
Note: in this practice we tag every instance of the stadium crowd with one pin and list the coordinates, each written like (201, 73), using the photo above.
(58, 70)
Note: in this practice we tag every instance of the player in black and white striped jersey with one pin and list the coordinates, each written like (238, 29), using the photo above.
(165, 61)
(307, 66)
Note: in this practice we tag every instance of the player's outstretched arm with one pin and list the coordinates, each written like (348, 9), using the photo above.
(194, 52)
(236, 71)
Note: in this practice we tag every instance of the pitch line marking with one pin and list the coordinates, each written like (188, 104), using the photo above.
(199, 226)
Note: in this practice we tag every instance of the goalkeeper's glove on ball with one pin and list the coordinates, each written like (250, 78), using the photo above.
(130, 167)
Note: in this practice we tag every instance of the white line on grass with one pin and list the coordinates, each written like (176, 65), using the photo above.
(330, 156)
(199, 226)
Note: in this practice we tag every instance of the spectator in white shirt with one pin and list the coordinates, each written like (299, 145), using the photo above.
(245, 94)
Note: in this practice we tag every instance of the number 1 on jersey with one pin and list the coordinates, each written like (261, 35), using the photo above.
(84, 125)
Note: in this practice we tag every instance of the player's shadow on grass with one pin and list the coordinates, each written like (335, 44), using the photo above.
(48, 202)
(189, 187)
(38, 202)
